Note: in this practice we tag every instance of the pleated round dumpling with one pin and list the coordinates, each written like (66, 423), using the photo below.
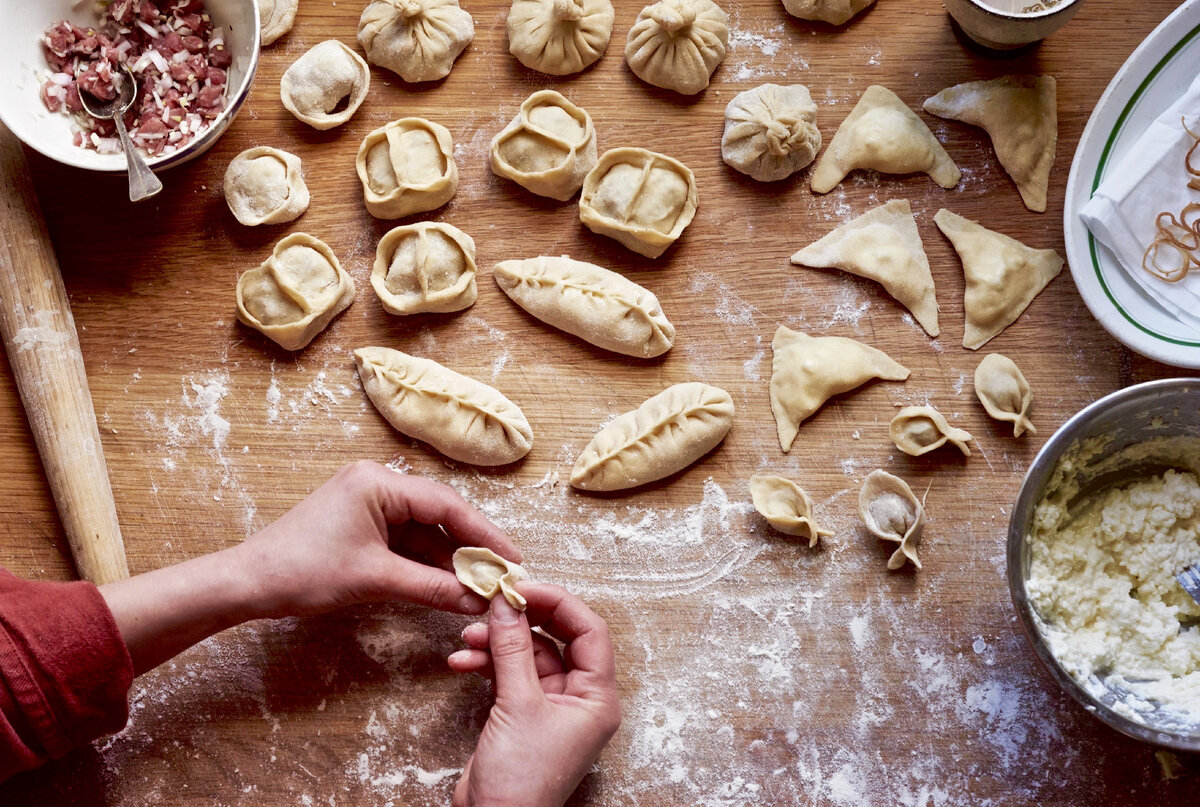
(771, 131)
(559, 37)
(417, 39)
(835, 12)
(677, 44)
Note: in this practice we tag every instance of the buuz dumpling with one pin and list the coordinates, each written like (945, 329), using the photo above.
(677, 44)
(559, 37)
(771, 131)
(416, 39)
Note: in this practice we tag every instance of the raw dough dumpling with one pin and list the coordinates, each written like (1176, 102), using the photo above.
(487, 574)
(1003, 275)
(264, 186)
(835, 12)
(786, 507)
(665, 434)
(771, 131)
(639, 197)
(917, 430)
(406, 167)
(559, 37)
(599, 306)
(548, 148)
(425, 268)
(1020, 114)
(463, 418)
(326, 85)
(296, 291)
(275, 18)
(892, 513)
(416, 39)
(1005, 394)
(677, 44)
(806, 371)
(882, 245)
(883, 134)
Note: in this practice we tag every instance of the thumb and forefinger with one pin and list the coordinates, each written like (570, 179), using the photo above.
(511, 645)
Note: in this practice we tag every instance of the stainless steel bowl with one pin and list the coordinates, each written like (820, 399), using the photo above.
(1143, 412)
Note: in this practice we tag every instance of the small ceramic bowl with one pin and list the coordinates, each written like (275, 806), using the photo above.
(1008, 24)
(23, 65)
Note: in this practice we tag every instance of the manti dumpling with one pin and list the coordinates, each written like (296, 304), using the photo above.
(548, 148)
(1020, 114)
(593, 303)
(325, 86)
(296, 291)
(917, 430)
(883, 134)
(406, 167)
(786, 507)
(834, 12)
(1003, 275)
(771, 131)
(806, 371)
(665, 434)
(416, 39)
(893, 513)
(463, 418)
(639, 197)
(264, 185)
(487, 574)
(427, 267)
(677, 44)
(275, 18)
(882, 245)
(1005, 394)
(559, 37)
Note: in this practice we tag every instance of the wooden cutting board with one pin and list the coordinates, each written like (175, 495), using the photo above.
(753, 670)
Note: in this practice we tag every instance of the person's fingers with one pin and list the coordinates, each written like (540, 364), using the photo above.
(565, 617)
(511, 645)
(404, 579)
(459, 799)
(471, 661)
(546, 657)
(476, 635)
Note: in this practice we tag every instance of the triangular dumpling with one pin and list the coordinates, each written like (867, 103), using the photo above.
(882, 133)
(882, 245)
(1003, 275)
(806, 371)
(1020, 114)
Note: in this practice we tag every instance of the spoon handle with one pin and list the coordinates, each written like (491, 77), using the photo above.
(142, 182)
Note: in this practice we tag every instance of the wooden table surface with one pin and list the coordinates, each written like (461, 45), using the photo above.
(753, 670)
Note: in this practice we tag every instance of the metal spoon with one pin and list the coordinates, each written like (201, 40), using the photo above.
(142, 182)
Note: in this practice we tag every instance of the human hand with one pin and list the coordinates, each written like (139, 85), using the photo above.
(554, 712)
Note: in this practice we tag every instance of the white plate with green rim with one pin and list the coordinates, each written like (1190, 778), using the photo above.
(1152, 78)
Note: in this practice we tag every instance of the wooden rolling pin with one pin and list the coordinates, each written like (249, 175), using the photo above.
(43, 351)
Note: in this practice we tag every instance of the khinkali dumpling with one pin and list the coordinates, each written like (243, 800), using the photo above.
(559, 37)
(275, 18)
(917, 430)
(325, 86)
(487, 574)
(428, 267)
(407, 167)
(835, 12)
(1005, 394)
(264, 185)
(417, 39)
(771, 131)
(677, 44)
(548, 148)
(786, 507)
(893, 513)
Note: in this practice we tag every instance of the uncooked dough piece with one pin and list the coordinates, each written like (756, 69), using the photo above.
(806, 371)
(548, 148)
(639, 197)
(786, 507)
(265, 186)
(463, 418)
(917, 430)
(416, 39)
(405, 167)
(882, 245)
(325, 86)
(1005, 394)
(1003, 275)
(677, 44)
(427, 267)
(296, 292)
(771, 131)
(487, 574)
(665, 434)
(893, 513)
(835, 12)
(559, 37)
(1020, 114)
(275, 18)
(882, 133)
(599, 306)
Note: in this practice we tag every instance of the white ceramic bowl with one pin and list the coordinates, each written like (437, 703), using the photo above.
(992, 24)
(23, 66)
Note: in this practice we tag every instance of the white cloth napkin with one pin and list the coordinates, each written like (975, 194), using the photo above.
(1151, 178)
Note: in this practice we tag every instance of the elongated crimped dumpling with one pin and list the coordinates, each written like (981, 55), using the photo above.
(677, 44)
(427, 267)
(416, 39)
(325, 86)
(548, 148)
(883, 134)
(265, 186)
(771, 131)
(1005, 394)
(1003, 275)
(406, 167)
(806, 371)
(893, 513)
(834, 12)
(786, 507)
(275, 18)
(883, 245)
(487, 574)
(599, 306)
(464, 419)
(917, 430)
(665, 434)
(1020, 114)
(559, 37)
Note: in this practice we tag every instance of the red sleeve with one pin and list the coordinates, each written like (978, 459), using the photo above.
(64, 671)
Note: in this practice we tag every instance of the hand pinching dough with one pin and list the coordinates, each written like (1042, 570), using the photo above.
(548, 148)
(265, 186)
(835, 12)
(917, 430)
(559, 37)
(893, 513)
(406, 167)
(275, 18)
(325, 86)
(416, 39)
(771, 131)
(677, 44)
(1005, 394)
(425, 268)
(487, 574)
(786, 507)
